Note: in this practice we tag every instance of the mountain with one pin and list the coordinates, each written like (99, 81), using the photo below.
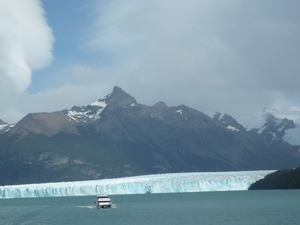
(274, 126)
(116, 137)
(4, 127)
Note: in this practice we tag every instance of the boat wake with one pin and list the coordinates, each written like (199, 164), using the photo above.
(93, 207)
(85, 206)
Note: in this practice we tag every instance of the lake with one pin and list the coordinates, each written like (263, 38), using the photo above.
(231, 207)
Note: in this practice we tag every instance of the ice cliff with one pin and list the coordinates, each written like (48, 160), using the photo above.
(162, 183)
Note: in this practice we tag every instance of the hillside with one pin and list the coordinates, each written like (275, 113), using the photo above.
(116, 137)
(281, 179)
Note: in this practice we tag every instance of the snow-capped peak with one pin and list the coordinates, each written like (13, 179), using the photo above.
(4, 127)
(87, 113)
(281, 114)
(276, 124)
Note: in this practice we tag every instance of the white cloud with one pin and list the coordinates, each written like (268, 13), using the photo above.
(25, 45)
(57, 99)
(14, 71)
(232, 56)
(33, 32)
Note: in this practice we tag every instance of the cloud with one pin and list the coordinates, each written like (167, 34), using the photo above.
(15, 73)
(48, 101)
(232, 56)
(25, 45)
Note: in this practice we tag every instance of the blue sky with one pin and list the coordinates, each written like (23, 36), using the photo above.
(234, 56)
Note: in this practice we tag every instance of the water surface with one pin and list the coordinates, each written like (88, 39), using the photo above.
(233, 207)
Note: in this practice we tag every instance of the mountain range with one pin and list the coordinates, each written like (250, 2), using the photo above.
(116, 137)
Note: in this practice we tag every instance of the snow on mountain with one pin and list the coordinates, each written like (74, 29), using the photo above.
(87, 113)
(4, 127)
(162, 183)
(275, 123)
(252, 122)
(232, 128)
(292, 136)
(228, 122)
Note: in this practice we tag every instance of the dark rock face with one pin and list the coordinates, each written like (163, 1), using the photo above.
(281, 179)
(115, 136)
(274, 129)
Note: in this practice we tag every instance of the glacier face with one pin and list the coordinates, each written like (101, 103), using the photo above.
(161, 183)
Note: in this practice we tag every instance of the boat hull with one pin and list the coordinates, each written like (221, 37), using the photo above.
(103, 201)
(103, 206)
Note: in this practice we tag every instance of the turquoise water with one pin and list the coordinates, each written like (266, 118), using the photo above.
(235, 207)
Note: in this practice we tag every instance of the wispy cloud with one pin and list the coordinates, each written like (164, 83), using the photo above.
(25, 45)
(234, 56)
(210, 53)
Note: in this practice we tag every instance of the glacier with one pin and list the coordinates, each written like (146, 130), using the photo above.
(160, 183)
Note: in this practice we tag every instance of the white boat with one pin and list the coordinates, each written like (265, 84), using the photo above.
(103, 201)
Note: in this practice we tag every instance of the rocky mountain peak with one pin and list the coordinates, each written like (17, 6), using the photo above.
(121, 98)
(274, 125)
(270, 118)
(275, 129)
(228, 121)
(91, 112)
(87, 113)
(160, 105)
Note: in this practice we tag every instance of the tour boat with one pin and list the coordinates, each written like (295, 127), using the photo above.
(103, 201)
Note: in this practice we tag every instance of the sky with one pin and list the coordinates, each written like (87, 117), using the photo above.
(233, 56)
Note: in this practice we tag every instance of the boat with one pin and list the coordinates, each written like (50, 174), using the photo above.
(103, 201)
